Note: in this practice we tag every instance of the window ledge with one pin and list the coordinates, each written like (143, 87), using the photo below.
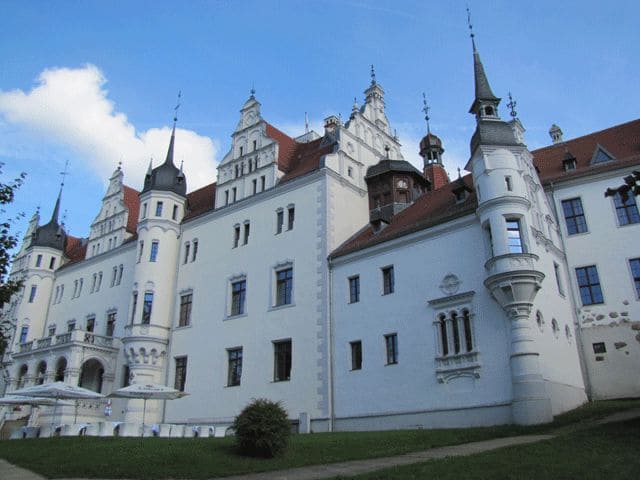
(182, 327)
(457, 365)
(233, 317)
(391, 364)
(281, 307)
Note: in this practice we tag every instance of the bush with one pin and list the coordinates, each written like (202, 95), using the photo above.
(262, 429)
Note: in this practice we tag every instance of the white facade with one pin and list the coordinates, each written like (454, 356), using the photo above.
(460, 310)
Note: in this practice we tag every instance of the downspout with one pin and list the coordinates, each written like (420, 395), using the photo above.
(586, 378)
(331, 349)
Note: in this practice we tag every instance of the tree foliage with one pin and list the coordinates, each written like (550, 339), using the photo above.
(262, 429)
(8, 241)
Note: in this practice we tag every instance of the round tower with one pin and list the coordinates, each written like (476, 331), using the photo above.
(162, 207)
(513, 277)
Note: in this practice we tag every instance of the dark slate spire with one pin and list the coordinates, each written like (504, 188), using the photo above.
(167, 176)
(52, 234)
(483, 94)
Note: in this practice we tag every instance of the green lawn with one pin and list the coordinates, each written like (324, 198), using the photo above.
(206, 458)
(601, 452)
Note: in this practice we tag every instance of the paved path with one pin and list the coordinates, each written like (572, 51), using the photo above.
(357, 467)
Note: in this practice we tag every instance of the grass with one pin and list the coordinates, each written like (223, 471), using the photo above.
(607, 451)
(207, 458)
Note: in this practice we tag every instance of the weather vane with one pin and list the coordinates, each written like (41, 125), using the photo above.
(64, 173)
(471, 34)
(426, 109)
(373, 75)
(253, 89)
(512, 105)
(175, 115)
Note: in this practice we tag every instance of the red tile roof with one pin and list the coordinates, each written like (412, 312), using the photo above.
(437, 175)
(439, 206)
(132, 202)
(286, 146)
(432, 208)
(621, 141)
(75, 249)
(201, 201)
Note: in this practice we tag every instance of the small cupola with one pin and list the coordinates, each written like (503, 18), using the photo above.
(555, 132)
(431, 152)
(392, 186)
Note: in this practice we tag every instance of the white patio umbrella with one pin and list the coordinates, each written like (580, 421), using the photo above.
(58, 391)
(149, 391)
(11, 399)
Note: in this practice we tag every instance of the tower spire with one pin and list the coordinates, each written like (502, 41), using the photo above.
(56, 208)
(485, 103)
(169, 159)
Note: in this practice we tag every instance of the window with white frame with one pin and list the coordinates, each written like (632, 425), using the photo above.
(284, 286)
(514, 236)
(234, 372)
(187, 248)
(634, 263)
(391, 348)
(153, 255)
(186, 301)
(238, 296)
(291, 213)
(279, 220)
(626, 210)
(195, 250)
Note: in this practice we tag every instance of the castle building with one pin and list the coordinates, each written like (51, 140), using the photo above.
(327, 272)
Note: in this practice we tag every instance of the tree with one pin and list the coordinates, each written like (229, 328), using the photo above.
(7, 242)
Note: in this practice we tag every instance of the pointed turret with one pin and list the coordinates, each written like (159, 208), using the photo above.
(166, 176)
(51, 234)
(485, 102)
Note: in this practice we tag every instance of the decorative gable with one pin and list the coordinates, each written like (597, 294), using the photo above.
(601, 155)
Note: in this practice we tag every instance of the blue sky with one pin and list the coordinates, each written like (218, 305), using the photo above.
(95, 83)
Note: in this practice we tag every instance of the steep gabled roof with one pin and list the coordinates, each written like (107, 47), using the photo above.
(75, 249)
(428, 210)
(201, 201)
(132, 202)
(305, 158)
(286, 146)
(621, 141)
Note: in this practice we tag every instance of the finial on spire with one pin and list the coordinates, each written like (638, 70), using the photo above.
(512, 106)
(373, 75)
(253, 90)
(64, 173)
(459, 174)
(175, 109)
(120, 165)
(426, 109)
(306, 122)
(471, 34)
(386, 149)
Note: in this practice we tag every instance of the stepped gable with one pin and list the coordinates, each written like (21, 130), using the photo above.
(201, 201)
(621, 141)
(430, 209)
(132, 202)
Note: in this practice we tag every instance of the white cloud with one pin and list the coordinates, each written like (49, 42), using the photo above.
(70, 106)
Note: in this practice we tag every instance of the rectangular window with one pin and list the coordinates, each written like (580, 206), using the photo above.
(99, 284)
(246, 233)
(125, 376)
(284, 286)
(52, 330)
(174, 214)
(140, 250)
(354, 289)
(120, 269)
(388, 281)
(263, 182)
(282, 361)
(226, 197)
(291, 217)
(195, 250)
(279, 221)
(627, 211)
(574, 216)
(507, 181)
(91, 324)
(93, 282)
(153, 255)
(236, 236)
(234, 372)
(185, 310)
(52, 263)
(71, 326)
(114, 274)
(254, 185)
(24, 331)
(514, 239)
(556, 269)
(38, 260)
(356, 355)
(144, 210)
(234, 191)
(111, 324)
(634, 263)
(599, 348)
(391, 344)
(187, 248)
(133, 306)
(146, 309)
(238, 297)
(181, 373)
(255, 145)
(32, 293)
(589, 285)
(158, 209)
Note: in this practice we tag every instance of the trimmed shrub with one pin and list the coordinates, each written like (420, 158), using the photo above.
(262, 429)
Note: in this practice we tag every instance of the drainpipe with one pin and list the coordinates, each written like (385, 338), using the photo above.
(331, 350)
(583, 365)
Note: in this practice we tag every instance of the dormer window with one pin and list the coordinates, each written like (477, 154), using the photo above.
(569, 164)
(488, 110)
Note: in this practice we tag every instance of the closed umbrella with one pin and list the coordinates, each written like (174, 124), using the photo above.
(149, 391)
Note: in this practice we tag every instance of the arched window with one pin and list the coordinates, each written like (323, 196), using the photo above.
(40, 375)
(444, 342)
(61, 366)
(455, 334)
(22, 375)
